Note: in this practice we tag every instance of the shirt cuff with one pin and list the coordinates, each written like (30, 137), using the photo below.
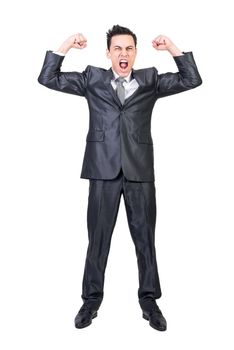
(59, 53)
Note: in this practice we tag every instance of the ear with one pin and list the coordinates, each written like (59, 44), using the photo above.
(107, 53)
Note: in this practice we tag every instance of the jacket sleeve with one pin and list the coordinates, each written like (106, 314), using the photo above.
(70, 82)
(186, 78)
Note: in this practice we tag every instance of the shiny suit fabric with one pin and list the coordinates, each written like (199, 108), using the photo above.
(119, 160)
(103, 206)
(119, 136)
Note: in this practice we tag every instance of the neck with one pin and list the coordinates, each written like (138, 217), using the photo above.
(125, 76)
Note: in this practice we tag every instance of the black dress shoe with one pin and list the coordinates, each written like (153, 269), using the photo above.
(84, 317)
(155, 318)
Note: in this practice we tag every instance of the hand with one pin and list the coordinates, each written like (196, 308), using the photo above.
(76, 41)
(162, 42)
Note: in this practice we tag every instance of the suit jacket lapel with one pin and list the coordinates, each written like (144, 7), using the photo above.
(108, 76)
(138, 75)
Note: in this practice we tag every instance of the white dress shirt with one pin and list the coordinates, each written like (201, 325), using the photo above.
(129, 85)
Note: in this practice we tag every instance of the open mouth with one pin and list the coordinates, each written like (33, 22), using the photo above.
(123, 64)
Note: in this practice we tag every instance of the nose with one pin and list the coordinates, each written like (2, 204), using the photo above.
(124, 52)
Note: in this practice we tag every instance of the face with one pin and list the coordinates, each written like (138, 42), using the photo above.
(122, 54)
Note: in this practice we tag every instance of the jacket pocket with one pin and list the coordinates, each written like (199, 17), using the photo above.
(145, 138)
(95, 135)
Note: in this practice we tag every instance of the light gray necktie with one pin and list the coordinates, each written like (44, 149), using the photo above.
(120, 90)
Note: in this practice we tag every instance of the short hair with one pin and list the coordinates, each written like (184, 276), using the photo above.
(118, 30)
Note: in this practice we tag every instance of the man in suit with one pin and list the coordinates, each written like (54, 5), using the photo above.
(119, 156)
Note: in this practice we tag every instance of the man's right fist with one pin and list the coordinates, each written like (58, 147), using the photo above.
(76, 41)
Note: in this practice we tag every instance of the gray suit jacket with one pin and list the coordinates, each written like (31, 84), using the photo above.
(119, 136)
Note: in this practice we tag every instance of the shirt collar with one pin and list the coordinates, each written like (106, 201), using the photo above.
(128, 78)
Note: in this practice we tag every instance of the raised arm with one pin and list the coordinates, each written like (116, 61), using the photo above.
(69, 82)
(186, 78)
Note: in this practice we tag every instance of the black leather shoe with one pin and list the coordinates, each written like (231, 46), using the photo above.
(155, 318)
(84, 317)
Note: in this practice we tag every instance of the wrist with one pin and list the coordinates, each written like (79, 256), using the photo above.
(64, 48)
(174, 51)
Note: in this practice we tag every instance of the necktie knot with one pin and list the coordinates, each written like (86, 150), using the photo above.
(120, 80)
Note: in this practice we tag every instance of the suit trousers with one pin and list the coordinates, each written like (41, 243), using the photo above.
(103, 205)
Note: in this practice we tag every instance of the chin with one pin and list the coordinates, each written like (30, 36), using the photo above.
(121, 74)
(124, 72)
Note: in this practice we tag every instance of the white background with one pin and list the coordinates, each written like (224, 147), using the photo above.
(44, 201)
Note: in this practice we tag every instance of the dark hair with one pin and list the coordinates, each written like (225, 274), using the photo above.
(118, 30)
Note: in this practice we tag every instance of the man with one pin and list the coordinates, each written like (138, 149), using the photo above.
(119, 156)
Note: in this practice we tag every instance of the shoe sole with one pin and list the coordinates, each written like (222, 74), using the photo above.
(87, 324)
(153, 326)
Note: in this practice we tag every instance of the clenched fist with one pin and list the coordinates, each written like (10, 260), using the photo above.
(76, 41)
(162, 42)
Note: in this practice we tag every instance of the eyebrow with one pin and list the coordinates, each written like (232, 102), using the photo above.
(127, 47)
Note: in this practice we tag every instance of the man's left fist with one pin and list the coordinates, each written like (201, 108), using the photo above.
(162, 42)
